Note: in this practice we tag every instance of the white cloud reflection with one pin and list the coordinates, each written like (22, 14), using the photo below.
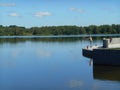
(14, 54)
(7, 63)
(43, 53)
(75, 83)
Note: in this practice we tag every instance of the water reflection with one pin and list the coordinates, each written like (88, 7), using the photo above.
(47, 64)
(52, 39)
(17, 40)
(111, 73)
(76, 83)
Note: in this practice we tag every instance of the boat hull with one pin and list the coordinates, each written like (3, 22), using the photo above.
(103, 56)
(87, 53)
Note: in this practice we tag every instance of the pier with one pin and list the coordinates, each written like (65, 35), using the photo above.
(108, 54)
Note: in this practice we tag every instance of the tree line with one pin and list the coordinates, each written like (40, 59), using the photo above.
(59, 30)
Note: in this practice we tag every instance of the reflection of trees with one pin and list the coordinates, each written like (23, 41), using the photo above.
(47, 39)
(17, 40)
(12, 40)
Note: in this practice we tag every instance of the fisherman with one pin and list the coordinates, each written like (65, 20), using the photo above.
(91, 40)
(110, 40)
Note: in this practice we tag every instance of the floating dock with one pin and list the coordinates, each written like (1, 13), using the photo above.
(108, 54)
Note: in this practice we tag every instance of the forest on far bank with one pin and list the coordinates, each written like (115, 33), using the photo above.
(59, 30)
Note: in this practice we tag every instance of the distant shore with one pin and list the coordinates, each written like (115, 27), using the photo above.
(57, 36)
(14, 30)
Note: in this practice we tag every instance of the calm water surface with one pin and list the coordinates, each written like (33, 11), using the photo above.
(52, 64)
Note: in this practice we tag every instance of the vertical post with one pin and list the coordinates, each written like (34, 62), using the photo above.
(105, 43)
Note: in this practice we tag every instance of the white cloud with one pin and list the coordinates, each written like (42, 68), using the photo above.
(7, 4)
(42, 14)
(14, 15)
(77, 10)
(107, 9)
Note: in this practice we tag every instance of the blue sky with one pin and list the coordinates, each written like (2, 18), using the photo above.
(31, 13)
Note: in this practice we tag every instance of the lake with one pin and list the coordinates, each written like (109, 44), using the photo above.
(53, 63)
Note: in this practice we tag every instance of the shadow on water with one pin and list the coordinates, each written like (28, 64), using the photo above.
(111, 73)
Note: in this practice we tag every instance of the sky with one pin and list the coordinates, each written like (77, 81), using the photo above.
(32, 13)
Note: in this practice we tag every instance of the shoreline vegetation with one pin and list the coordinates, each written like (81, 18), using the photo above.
(14, 30)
